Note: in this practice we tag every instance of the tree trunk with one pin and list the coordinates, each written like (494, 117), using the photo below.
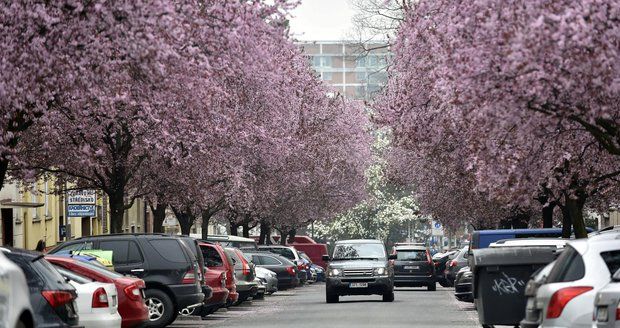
(263, 238)
(186, 220)
(547, 215)
(4, 166)
(283, 234)
(206, 217)
(291, 236)
(234, 229)
(575, 211)
(566, 222)
(246, 230)
(117, 211)
(159, 215)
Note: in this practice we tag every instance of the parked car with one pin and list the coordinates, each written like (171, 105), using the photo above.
(131, 305)
(51, 297)
(441, 260)
(320, 272)
(15, 308)
(285, 270)
(268, 278)
(192, 245)
(244, 272)
(583, 268)
(532, 317)
(293, 255)
(606, 304)
(463, 285)
(216, 260)
(456, 264)
(97, 302)
(483, 238)
(167, 266)
(413, 267)
(359, 267)
(230, 241)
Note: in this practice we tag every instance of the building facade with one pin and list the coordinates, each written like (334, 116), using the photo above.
(357, 71)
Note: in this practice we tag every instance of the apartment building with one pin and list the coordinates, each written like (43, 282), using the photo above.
(355, 70)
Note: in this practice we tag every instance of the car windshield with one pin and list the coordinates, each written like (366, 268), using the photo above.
(356, 251)
(411, 255)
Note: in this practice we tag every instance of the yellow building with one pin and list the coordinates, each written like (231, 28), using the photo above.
(32, 212)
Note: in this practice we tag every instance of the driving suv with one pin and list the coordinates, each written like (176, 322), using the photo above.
(168, 267)
(413, 267)
(359, 267)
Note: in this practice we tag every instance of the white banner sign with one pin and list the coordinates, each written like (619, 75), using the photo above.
(82, 197)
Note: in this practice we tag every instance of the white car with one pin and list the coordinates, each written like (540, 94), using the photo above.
(606, 302)
(557, 243)
(15, 308)
(97, 303)
(583, 268)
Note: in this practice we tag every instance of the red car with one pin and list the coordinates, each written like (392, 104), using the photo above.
(131, 305)
(217, 262)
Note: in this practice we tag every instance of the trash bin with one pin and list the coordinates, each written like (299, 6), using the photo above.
(500, 276)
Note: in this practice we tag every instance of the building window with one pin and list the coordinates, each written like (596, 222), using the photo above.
(322, 61)
(361, 62)
(362, 76)
(327, 76)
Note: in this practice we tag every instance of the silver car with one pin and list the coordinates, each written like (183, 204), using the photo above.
(606, 302)
(268, 278)
(583, 268)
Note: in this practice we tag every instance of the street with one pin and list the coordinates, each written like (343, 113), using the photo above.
(306, 307)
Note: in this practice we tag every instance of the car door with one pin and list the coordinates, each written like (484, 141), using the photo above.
(126, 256)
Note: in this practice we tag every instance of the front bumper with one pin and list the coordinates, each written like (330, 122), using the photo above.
(341, 285)
(413, 281)
(463, 292)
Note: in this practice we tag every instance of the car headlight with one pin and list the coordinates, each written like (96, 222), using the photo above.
(380, 271)
(334, 272)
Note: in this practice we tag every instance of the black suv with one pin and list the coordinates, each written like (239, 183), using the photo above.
(413, 267)
(52, 298)
(359, 267)
(165, 263)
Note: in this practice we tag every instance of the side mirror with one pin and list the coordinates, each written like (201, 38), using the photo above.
(392, 257)
(325, 258)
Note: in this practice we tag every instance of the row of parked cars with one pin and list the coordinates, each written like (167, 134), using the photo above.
(543, 281)
(131, 280)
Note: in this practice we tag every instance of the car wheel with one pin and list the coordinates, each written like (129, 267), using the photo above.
(160, 307)
(432, 287)
(259, 296)
(388, 297)
(21, 324)
(331, 297)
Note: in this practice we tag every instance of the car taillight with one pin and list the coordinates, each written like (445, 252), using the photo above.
(57, 298)
(100, 298)
(300, 267)
(562, 297)
(189, 277)
(452, 263)
(291, 270)
(428, 257)
(133, 292)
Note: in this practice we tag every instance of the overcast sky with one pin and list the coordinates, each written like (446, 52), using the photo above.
(322, 20)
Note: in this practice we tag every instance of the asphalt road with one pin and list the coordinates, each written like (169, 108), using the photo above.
(306, 307)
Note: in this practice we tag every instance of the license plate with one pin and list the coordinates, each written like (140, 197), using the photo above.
(601, 314)
(358, 285)
(412, 267)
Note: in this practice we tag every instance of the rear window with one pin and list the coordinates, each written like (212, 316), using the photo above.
(75, 247)
(268, 260)
(417, 255)
(212, 256)
(612, 260)
(286, 252)
(170, 249)
(568, 267)
(80, 279)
